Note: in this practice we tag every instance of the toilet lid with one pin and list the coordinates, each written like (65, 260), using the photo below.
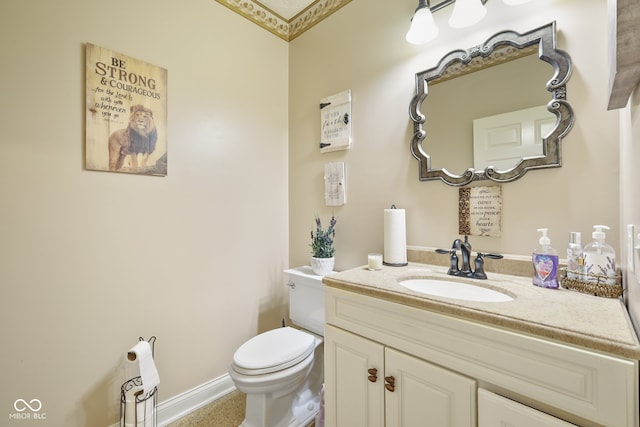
(273, 351)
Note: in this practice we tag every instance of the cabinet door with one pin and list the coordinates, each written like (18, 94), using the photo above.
(426, 395)
(354, 397)
(498, 411)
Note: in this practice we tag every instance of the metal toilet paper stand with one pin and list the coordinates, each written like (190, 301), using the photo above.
(145, 403)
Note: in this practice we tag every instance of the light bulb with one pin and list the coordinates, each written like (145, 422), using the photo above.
(423, 28)
(466, 13)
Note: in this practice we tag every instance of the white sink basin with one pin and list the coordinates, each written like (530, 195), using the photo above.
(453, 289)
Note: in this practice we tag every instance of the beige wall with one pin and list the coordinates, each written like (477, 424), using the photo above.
(362, 48)
(90, 260)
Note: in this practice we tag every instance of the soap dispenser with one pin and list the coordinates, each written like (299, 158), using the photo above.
(599, 258)
(545, 262)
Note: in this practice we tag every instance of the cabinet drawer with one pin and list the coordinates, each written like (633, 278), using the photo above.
(498, 411)
(593, 386)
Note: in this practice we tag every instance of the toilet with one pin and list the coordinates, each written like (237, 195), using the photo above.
(281, 370)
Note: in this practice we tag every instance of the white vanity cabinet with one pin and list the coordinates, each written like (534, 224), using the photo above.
(370, 385)
(437, 359)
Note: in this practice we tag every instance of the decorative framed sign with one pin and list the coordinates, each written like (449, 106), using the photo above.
(480, 211)
(126, 117)
(335, 122)
(335, 188)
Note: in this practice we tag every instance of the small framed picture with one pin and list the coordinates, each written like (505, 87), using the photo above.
(335, 122)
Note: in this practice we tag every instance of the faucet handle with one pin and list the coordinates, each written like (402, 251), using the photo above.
(479, 272)
(454, 270)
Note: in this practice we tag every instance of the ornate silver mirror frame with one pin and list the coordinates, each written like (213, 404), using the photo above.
(495, 47)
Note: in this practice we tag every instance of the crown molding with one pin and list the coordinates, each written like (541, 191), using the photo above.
(286, 29)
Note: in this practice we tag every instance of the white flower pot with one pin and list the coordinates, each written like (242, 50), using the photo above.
(322, 266)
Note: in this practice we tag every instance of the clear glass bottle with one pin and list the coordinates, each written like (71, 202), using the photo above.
(575, 256)
(599, 258)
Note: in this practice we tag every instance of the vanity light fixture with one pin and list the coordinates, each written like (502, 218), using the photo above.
(423, 28)
(466, 13)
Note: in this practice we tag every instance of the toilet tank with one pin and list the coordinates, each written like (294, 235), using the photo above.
(306, 299)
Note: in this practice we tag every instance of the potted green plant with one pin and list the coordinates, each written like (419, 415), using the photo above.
(322, 250)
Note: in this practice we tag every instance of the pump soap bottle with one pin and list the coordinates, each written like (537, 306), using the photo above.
(545, 262)
(599, 258)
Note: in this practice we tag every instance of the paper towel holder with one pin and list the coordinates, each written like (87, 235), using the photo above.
(145, 403)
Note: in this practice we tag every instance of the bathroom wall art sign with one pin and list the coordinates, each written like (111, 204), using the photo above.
(126, 114)
(335, 122)
(480, 211)
(335, 188)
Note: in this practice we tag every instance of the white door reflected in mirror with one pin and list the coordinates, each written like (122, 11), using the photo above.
(503, 139)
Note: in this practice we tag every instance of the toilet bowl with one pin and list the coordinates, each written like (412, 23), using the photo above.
(281, 391)
(281, 370)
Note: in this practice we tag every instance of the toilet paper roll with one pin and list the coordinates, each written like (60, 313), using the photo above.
(145, 414)
(142, 355)
(395, 237)
(130, 414)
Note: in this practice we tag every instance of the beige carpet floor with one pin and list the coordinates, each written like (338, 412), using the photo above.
(227, 411)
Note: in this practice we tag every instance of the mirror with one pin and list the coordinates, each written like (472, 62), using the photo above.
(508, 94)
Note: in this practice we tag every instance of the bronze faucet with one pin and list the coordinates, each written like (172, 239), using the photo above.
(465, 250)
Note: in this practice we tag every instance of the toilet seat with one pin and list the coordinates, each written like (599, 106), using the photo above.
(273, 351)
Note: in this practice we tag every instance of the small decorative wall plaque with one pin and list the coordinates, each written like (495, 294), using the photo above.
(126, 117)
(335, 122)
(480, 211)
(335, 189)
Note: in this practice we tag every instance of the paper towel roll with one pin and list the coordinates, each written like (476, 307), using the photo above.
(141, 354)
(395, 237)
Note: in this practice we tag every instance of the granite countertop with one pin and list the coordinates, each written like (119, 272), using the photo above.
(563, 315)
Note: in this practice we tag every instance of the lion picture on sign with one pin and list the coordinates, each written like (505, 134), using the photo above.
(126, 117)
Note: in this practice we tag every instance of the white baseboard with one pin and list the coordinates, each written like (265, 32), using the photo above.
(173, 409)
